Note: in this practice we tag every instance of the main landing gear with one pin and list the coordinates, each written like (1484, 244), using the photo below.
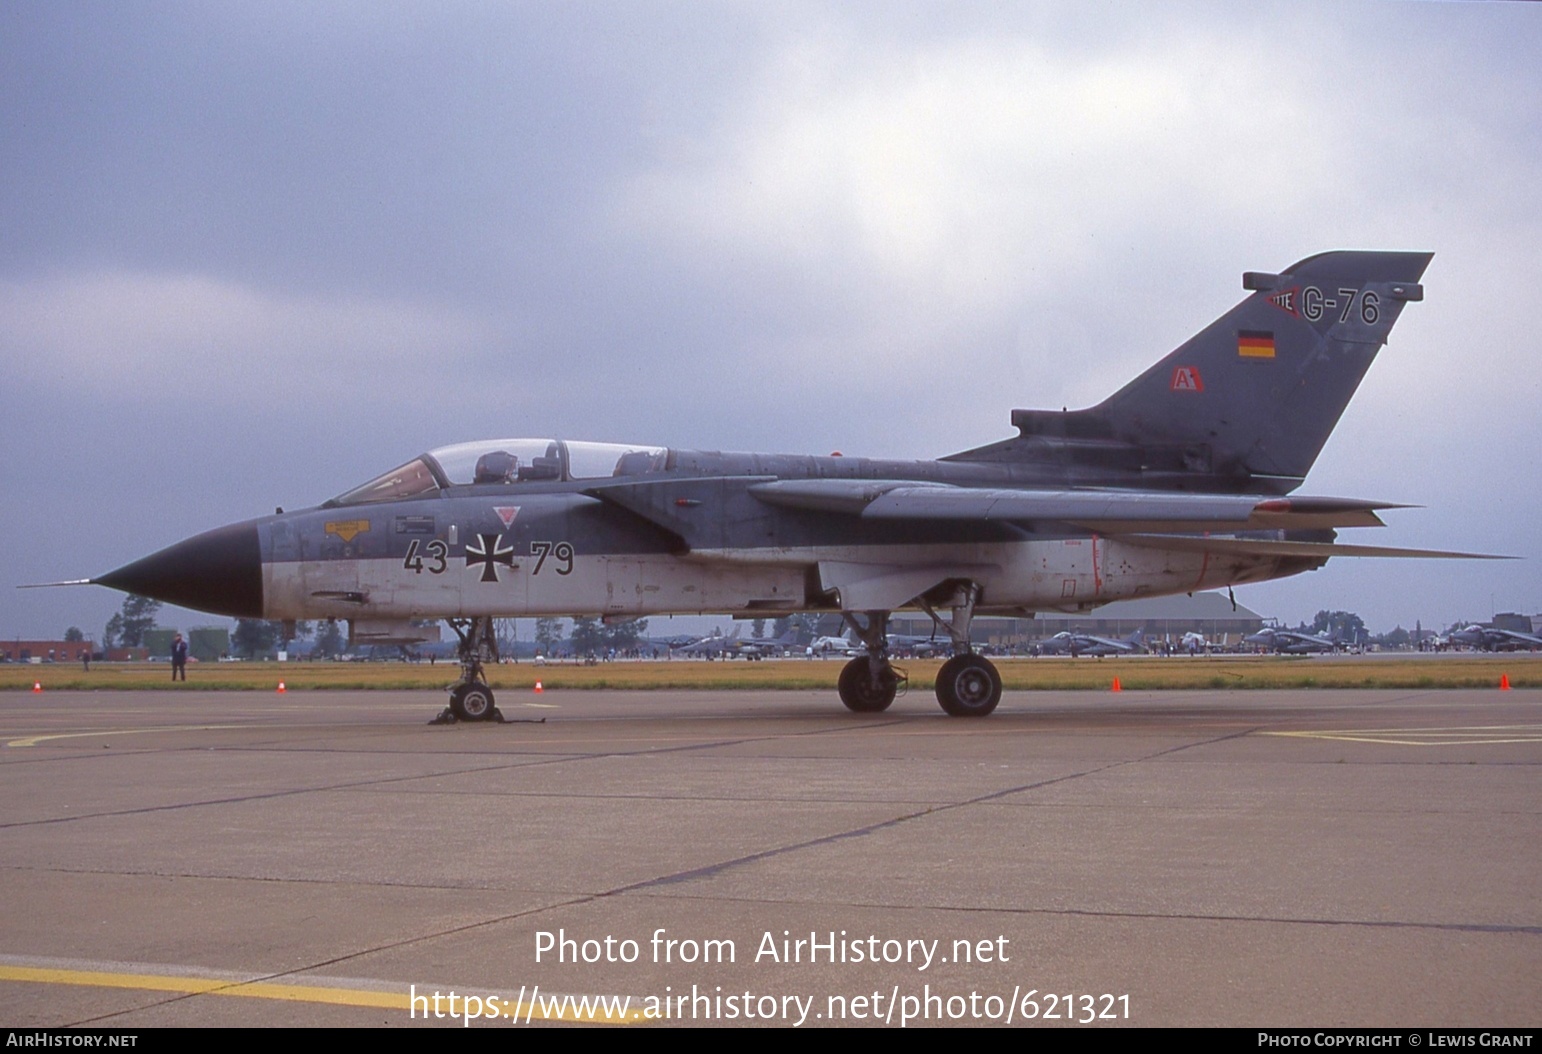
(470, 697)
(968, 685)
(869, 683)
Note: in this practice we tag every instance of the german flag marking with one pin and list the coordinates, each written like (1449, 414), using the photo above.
(1255, 344)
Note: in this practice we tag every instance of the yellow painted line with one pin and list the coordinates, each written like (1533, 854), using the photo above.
(205, 986)
(32, 741)
(293, 993)
(1426, 737)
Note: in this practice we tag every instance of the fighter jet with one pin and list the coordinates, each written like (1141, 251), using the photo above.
(760, 647)
(1177, 482)
(1076, 644)
(833, 646)
(1289, 642)
(715, 645)
(896, 643)
(1194, 643)
(910, 644)
(1491, 638)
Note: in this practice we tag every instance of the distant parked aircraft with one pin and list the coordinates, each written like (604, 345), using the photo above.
(1288, 642)
(1488, 638)
(1074, 644)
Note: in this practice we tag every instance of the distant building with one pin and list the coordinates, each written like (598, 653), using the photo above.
(158, 642)
(205, 643)
(1517, 622)
(208, 643)
(44, 650)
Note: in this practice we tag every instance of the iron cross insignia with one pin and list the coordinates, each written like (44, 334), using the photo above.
(489, 550)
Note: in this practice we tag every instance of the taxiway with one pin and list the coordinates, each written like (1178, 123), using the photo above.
(1218, 858)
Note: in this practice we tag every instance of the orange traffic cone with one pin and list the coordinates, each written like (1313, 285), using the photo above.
(37, 686)
(538, 688)
(1504, 682)
(1116, 685)
(281, 687)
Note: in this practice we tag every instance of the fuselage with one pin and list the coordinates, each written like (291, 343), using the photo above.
(544, 528)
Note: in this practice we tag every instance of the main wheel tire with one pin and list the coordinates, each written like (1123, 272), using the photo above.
(859, 693)
(968, 686)
(472, 702)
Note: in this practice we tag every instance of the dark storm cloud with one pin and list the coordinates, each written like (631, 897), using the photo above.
(309, 147)
(251, 256)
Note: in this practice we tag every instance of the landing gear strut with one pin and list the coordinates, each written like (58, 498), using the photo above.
(968, 685)
(869, 683)
(470, 697)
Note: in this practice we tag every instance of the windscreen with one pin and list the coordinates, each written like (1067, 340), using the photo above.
(413, 478)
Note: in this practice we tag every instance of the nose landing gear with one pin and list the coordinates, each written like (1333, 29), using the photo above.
(470, 697)
(869, 683)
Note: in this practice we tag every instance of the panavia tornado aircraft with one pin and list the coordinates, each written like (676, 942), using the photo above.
(1177, 482)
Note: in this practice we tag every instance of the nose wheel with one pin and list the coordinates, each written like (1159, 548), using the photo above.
(472, 702)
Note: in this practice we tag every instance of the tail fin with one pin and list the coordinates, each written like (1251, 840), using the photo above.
(1249, 400)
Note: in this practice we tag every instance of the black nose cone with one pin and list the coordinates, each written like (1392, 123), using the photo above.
(219, 571)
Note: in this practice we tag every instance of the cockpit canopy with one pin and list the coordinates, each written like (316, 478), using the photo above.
(506, 461)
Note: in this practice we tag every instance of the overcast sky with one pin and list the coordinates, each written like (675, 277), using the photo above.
(251, 255)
